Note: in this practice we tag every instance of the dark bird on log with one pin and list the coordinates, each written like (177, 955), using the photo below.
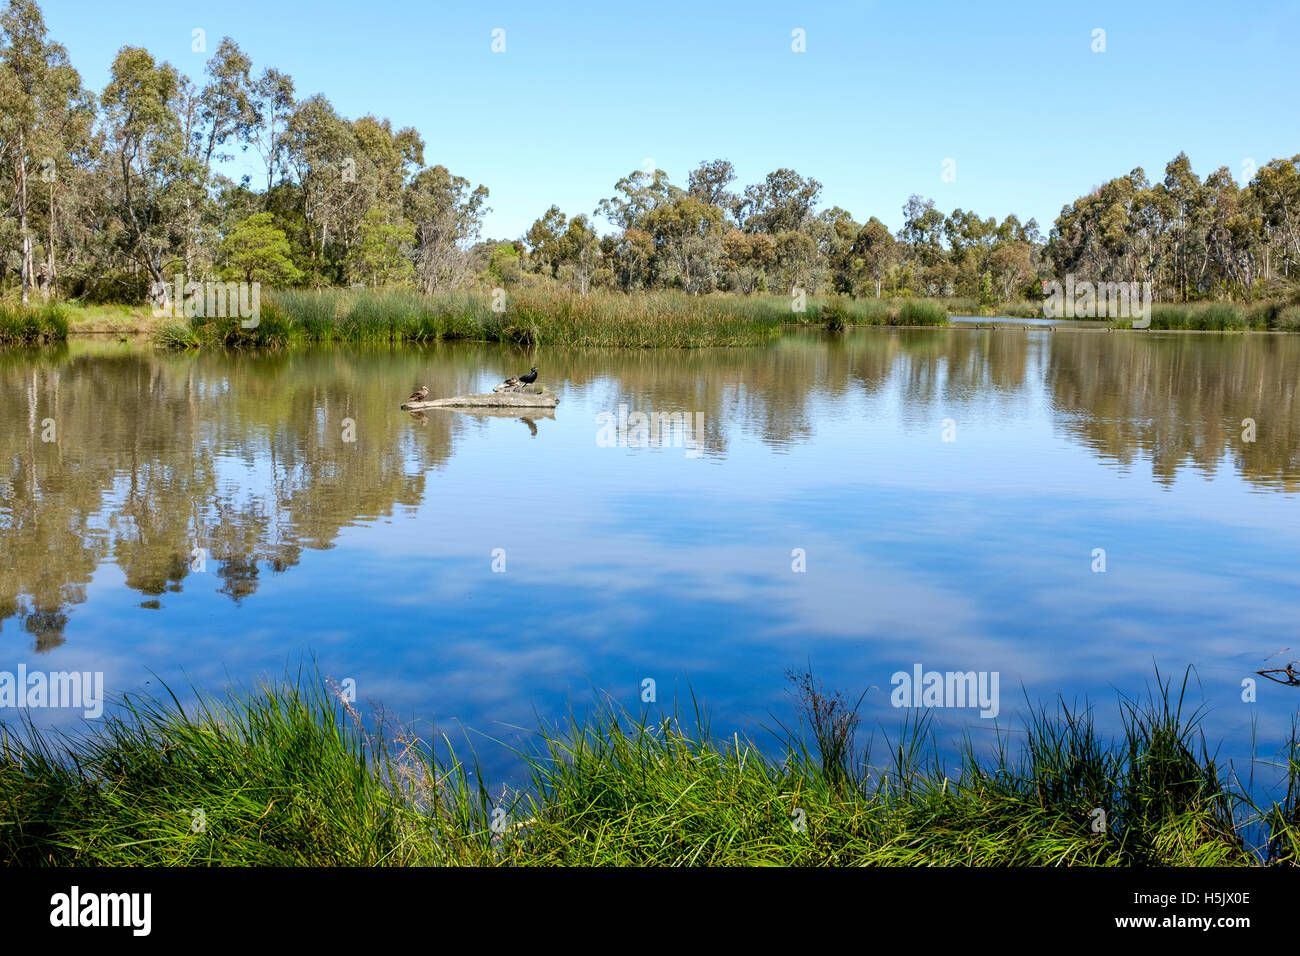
(530, 377)
(420, 394)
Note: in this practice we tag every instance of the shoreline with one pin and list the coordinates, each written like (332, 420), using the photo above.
(660, 320)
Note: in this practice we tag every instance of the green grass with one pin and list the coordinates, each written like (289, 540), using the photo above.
(536, 317)
(1214, 317)
(1288, 319)
(841, 312)
(287, 774)
(530, 318)
(922, 312)
(32, 324)
(110, 317)
(1021, 309)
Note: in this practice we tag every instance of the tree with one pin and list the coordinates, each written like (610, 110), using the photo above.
(922, 226)
(687, 235)
(448, 216)
(1010, 267)
(543, 238)
(782, 202)
(640, 192)
(148, 146)
(272, 105)
(44, 118)
(580, 251)
(382, 253)
(748, 256)
(320, 150)
(796, 256)
(872, 252)
(506, 263)
(632, 258)
(256, 251)
(1277, 185)
(708, 183)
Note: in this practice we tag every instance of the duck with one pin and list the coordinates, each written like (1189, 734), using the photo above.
(420, 394)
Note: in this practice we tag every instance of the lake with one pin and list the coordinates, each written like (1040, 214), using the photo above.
(1068, 510)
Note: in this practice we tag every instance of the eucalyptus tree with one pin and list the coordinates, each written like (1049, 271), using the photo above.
(922, 230)
(631, 255)
(834, 231)
(320, 150)
(872, 253)
(45, 126)
(273, 102)
(580, 252)
(214, 118)
(1232, 237)
(543, 240)
(385, 161)
(798, 261)
(448, 216)
(1277, 184)
(708, 183)
(149, 177)
(637, 194)
(747, 257)
(782, 202)
(1182, 196)
(1010, 267)
(687, 234)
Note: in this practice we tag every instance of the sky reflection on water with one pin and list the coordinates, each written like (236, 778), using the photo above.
(375, 556)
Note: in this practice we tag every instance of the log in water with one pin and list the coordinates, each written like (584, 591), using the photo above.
(533, 397)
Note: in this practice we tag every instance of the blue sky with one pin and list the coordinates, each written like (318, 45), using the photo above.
(885, 92)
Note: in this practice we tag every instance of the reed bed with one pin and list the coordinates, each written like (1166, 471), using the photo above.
(32, 324)
(1020, 309)
(286, 774)
(840, 312)
(535, 317)
(1220, 317)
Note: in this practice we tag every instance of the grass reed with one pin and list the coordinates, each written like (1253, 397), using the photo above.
(32, 324)
(288, 774)
(535, 317)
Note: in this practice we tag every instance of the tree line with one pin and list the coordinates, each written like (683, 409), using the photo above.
(107, 194)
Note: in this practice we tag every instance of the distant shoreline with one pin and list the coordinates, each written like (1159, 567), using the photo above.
(547, 317)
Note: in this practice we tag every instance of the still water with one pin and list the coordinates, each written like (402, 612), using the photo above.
(865, 504)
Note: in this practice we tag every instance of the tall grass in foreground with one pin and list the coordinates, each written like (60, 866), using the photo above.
(534, 317)
(287, 774)
(32, 324)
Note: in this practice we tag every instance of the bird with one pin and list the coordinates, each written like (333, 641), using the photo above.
(510, 382)
(530, 377)
(420, 394)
